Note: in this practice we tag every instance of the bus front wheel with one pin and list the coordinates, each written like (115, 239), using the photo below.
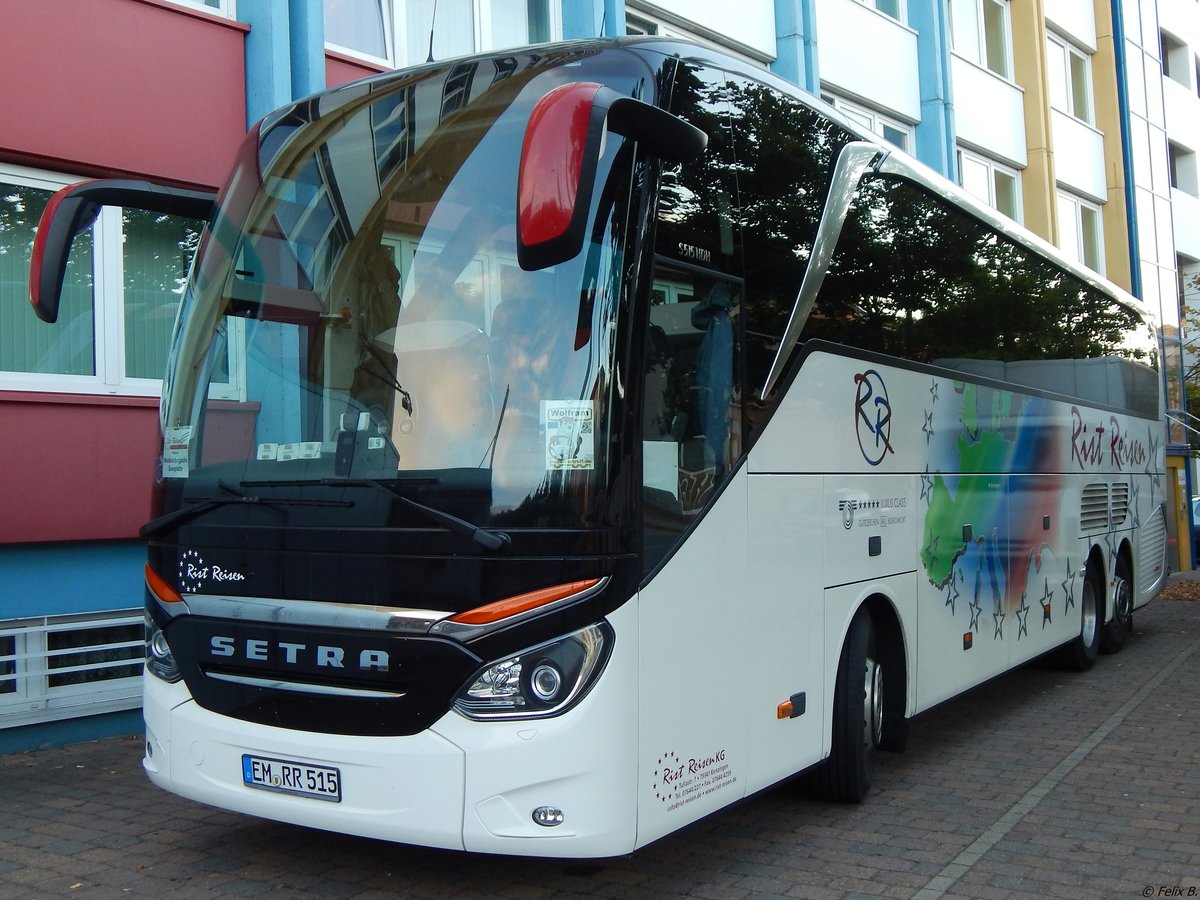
(857, 717)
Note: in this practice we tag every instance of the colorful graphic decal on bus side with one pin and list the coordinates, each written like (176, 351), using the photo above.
(994, 545)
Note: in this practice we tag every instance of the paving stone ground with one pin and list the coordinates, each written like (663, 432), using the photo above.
(1042, 783)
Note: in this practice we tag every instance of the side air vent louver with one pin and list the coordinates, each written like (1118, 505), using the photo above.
(1120, 503)
(1152, 556)
(1093, 509)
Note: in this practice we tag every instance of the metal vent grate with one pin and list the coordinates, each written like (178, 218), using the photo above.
(1152, 552)
(1093, 509)
(1120, 503)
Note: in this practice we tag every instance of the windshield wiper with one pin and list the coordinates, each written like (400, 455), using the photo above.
(199, 507)
(489, 540)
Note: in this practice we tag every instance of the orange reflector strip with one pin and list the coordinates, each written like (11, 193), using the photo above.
(511, 606)
(160, 588)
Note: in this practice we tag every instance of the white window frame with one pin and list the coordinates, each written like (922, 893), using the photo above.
(34, 700)
(1071, 228)
(873, 120)
(396, 33)
(108, 319)
(224, 8)
(901, 9)
(1067, 52)
(993, 169)
(656, 24)
(976, 54)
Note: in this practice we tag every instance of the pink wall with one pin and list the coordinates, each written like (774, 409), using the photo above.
(340, 68)
(76, 467)
(121, 86)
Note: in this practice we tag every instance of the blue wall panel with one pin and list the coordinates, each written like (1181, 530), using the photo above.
(54, 579)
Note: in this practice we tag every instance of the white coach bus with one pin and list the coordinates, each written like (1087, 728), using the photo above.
(563, 444)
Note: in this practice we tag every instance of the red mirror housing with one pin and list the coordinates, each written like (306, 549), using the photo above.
(72, 211)
(559, 156)
(558, 165)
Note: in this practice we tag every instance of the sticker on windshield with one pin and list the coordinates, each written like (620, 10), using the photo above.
(175, 459)
(570, 440)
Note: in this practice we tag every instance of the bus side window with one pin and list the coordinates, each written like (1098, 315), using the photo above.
(691, 413)
(785, 154)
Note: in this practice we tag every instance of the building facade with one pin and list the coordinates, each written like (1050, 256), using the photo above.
(1077, 119)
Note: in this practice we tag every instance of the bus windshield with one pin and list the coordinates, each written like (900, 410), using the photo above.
(358, 311)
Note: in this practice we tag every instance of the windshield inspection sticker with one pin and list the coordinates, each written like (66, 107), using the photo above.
(175, 459)
(570, 440)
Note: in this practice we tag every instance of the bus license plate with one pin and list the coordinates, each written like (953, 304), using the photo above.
(288, 777)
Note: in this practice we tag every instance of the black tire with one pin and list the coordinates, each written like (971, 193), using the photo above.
(1115, 632)
(1081, 653)
(845, 776)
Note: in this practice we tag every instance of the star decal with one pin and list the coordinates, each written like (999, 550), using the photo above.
(933, 390)
(930, 550)
(928, 427)
(952, 595)
(976, 609)
(1022, 617)
(1069, 588)
(998, 618)
(1134, 489)
(926, 486)
(1152, 456)
(1047, 596)
(1110, 541)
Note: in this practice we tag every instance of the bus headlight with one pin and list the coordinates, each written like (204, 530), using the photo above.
(160, 660)
(542, 681)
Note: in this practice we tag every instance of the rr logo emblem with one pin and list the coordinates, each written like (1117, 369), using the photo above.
(872, 417)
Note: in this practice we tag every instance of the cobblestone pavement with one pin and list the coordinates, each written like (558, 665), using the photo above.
(1042, 783)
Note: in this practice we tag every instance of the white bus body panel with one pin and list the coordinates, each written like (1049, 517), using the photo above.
(395, 788)
(697, 657)
(460, 784)
(582, 762)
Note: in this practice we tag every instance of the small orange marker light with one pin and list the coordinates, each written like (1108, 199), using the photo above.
(160, 588)
(785, 710)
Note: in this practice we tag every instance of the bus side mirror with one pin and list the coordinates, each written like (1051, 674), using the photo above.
(72, 211)
(560, 154)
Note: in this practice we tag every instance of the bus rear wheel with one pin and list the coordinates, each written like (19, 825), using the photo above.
(1115, 632)
(1081, 652)
(858, 694)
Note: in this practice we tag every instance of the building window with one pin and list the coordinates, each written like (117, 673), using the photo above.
(895, 132)
(221, 6)
(1183, 169)
(1080, 231)
(122, 289)
(635, 24)
(1175, 59)
(1070, 74)
(982, 33)
(652, 21)
(892, 8)
(358, 26)
(411, 32)
(996, 184)
(56, 667)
